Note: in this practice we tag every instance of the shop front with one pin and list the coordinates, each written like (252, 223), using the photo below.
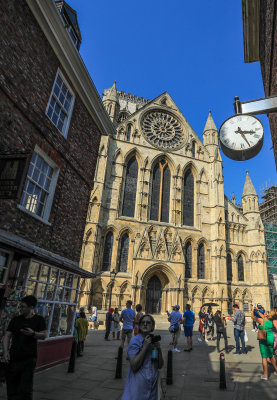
(54, 281)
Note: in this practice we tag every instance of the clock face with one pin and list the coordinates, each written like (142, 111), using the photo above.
(241, 137)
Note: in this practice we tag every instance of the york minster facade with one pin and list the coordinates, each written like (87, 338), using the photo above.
(158, 217)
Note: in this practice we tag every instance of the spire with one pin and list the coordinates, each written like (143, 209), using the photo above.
(248, 189)
(210, 125)
(210, 134)
(112, 92)
(233, 199)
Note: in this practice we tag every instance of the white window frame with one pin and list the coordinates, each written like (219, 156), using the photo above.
(51, 190)
(64, 131)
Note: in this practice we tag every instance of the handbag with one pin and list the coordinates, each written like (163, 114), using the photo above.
(262, 335)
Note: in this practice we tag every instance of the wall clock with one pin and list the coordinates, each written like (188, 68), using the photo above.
(241, 137)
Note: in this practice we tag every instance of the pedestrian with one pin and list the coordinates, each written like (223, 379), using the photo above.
(210, 322)
(93, 318)
(109, 319)
(188, 321)
(220, 322)
(266, 340)
(137, 319)
(127, 317)
(175, 319)
(239, 326)
(116, 324)
(145, 356)
(274, 321)
(202, 324)
(82, 309)
(82, 330)
(23, 332)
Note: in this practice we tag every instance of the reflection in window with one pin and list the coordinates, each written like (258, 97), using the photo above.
(108, 248)
(130, 190)
(124, 251)
(160, 197)
(201, 262)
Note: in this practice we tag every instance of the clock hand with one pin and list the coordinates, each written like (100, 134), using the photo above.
(243, 135)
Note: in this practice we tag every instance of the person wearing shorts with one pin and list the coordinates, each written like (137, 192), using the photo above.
(93, 318)
(188, 321)
(175, 318)
(127, 317)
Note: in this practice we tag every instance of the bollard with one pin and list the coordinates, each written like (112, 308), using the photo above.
(118, 370)
(71, 365)
(222, 376)
(169, 374)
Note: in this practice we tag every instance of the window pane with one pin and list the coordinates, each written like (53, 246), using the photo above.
(124, 251)
(31, 288)
(69, 280)
(108, 248)
(188, 199)
(188, 260)
(154, 213)
(3, 265)
(53, 275)
(67, 315)
(34, 270)
(73, 296)
(201, 262)
(75, 282)
(130, 190)
(166, 195)
(229, 268)
(41, 290)
(240, 269)
(55, 330)
(44, 273)
(50, 292)
(62, 277)
(67, 295)
(44, 309)
(59, 294)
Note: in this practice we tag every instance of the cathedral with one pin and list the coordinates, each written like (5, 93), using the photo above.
(159, 229)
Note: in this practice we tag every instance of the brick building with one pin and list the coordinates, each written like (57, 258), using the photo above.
(52, 120)
(260, 36)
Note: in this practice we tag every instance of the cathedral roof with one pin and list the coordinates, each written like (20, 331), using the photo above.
(112, 92)
(248, 189)
(210, 125)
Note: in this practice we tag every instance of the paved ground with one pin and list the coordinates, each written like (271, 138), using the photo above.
(195, 374)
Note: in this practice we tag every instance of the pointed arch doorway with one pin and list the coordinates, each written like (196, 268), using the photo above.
(153, 296)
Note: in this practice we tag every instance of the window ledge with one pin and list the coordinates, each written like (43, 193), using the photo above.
(33, 215)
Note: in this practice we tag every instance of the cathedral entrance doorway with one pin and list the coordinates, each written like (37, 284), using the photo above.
(153, 296)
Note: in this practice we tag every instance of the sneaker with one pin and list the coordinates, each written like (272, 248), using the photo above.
(265, 378)
(253, 330)
(236, 352)
(176, 350)
(274, 373)
(206, 340)
(199, 340)
(187, 349)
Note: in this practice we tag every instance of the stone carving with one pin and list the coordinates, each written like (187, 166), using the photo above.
(162, 130)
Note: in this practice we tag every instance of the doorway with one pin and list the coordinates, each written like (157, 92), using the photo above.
(153, 296)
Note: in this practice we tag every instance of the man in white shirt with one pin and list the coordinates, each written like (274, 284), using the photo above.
(93, 316)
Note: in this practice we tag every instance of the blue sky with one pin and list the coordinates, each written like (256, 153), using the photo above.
(192, 50)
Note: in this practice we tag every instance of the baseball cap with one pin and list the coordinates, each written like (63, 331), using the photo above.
(177, 306)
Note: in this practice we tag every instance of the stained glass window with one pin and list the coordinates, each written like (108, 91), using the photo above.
(129, 130)
(188, 199)
(201, 262)
(229, 268)
(188, 260)
(160, 192)
(124, 251)
(108, 249)
(193, 149)
(130, 190)
(240, 269)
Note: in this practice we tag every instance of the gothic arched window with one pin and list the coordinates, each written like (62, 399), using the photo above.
(229, 268)
(201, 262)
(193, 149)
(124, 251)
(129, 131)
(240, 269)
(188, 199)
(160, 192)
(130, 190)
(188, 260)
(108, 249)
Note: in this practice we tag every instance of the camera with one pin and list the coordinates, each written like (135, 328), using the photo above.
(155, 338)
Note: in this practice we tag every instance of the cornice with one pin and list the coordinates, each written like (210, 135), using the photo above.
(51, 23)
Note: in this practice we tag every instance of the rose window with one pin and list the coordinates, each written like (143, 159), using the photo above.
(163, 130)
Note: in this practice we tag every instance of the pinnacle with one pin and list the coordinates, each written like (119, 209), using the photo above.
(248, 189)
(210, 125)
